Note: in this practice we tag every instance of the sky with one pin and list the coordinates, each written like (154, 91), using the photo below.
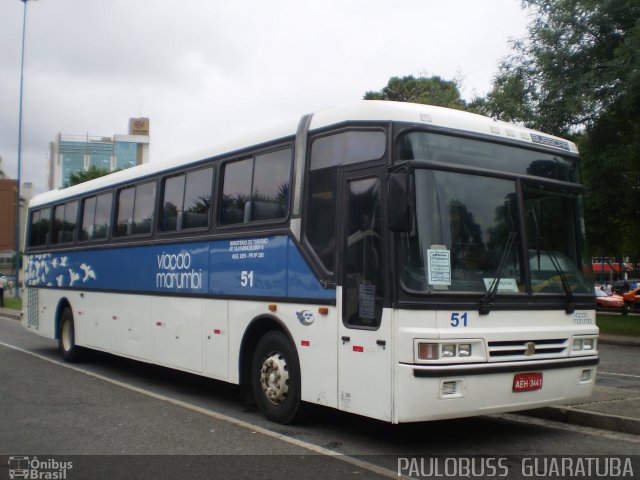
(205, 70)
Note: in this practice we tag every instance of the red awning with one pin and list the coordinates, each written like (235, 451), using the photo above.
(597, 268)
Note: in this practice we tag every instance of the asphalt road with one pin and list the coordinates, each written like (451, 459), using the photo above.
(619, 367)
(120, 418)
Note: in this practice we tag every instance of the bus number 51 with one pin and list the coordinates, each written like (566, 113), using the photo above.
(246, 278)
(458, 319)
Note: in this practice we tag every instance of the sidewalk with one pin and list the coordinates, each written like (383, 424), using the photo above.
(608, 408)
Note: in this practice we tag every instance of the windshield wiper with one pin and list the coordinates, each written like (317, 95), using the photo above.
(488, 297)
(570, 307)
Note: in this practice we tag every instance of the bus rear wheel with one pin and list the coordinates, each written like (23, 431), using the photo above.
(275, 378)
(67, 337)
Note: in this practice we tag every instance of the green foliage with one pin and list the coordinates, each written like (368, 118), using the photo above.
(618, 324)
(579, 60)
(578, 74)
(84, 176)
(427, 90)
(12, 302)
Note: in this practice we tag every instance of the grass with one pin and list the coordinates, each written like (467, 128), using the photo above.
(12, 302)
(619, 324)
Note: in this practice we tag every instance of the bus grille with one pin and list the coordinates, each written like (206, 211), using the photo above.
(500, 351)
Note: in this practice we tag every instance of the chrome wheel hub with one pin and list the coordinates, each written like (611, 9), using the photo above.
(274, 378)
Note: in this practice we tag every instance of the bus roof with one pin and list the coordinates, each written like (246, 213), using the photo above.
(362, 111)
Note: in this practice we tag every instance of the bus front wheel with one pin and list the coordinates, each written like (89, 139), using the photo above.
(67, 338)
(275, 378)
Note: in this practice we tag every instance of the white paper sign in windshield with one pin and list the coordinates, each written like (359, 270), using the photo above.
(506, 285)
(439, 265)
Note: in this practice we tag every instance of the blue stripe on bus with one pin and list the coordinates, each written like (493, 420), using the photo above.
(258, 266)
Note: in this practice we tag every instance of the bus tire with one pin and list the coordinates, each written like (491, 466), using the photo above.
(67, 337)
(275, 378)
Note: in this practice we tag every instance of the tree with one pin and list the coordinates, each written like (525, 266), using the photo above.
(428, 90)
(86, 175)
(2, 174)
(578, 74)
(579, 60)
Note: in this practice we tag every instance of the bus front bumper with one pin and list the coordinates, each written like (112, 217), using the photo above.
(437, 392)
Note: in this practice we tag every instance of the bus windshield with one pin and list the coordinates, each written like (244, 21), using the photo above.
(468, 235)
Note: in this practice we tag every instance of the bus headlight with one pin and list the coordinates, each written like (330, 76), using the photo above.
(449, 351)
(464, 350)
(584, 345)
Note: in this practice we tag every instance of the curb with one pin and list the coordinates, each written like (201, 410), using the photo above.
(619, 340)
(11, 316)
(584, 418)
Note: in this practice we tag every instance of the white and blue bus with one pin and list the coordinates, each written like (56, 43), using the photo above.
(398, 261)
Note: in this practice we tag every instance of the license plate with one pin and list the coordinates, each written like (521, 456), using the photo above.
(526, 382)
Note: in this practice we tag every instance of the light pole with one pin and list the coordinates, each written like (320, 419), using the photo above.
(24, 29)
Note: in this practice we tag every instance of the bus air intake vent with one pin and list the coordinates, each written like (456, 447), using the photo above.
(32, 313)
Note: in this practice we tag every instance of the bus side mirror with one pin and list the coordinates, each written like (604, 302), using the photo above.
(400, 204)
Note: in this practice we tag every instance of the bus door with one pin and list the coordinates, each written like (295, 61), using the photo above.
(364, 358)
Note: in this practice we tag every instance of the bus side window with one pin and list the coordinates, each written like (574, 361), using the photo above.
(58, 221)
(328, 152)
(88, 214)
(186, 201)
(135, 209)
(69, 222)
(39, 228)
(96, 216)
(42, 227)
(257, 188)
(34, 227)
(102, 219)
(143, 208)
(173, 195)
(236, 191)
(271, 180)
(124, 219)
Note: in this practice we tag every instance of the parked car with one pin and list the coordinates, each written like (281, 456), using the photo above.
(632, 298)
(604, 301)
(623, 286)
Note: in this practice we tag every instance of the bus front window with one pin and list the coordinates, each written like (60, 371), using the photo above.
(554, 236)
(467, 225)
(463, 226)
